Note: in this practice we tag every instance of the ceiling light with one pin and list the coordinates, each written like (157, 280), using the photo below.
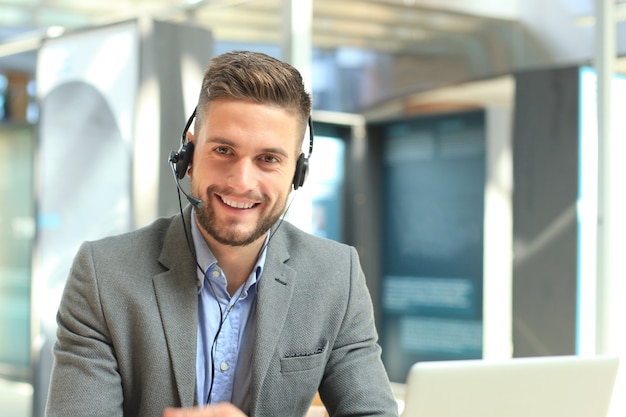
(55, 31)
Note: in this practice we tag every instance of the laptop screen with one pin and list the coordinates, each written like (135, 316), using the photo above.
(554, 386)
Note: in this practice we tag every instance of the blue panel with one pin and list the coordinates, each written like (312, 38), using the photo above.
(433, 189)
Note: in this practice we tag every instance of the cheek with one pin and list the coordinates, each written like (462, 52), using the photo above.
(276, 188)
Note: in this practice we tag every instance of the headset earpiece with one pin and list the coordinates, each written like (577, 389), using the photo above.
(182, 159)
(302, 168)
(302, 164)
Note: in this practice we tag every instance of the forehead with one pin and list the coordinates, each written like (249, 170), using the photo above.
(241, 119)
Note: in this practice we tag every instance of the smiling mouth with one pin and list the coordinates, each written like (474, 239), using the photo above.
(237, 204)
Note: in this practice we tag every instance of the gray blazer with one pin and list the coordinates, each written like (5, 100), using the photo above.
(127, 328)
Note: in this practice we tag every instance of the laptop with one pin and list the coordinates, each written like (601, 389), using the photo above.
(554, 386)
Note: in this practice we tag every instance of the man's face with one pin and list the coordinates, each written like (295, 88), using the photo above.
(243, 166)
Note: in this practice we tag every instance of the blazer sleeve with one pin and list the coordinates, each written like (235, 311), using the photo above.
(85, 378)
(355, 381)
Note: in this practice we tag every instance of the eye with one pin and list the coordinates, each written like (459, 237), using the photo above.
(223, 150)
(269, 159)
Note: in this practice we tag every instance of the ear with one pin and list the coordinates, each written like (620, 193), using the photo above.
(190, 139)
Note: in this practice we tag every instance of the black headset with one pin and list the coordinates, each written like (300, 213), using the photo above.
(181, 159)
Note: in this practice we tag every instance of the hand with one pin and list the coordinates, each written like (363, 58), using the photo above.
(217, 410)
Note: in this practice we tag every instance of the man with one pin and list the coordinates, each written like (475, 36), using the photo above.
(224, 309)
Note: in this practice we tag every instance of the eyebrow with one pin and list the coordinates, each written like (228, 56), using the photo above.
(228, 142)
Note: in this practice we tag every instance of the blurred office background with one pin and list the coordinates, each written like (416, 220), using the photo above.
(471, 151)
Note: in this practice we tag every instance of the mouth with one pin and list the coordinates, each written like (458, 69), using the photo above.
(239, 205)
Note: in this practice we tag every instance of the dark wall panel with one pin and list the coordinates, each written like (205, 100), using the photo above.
(545, 149)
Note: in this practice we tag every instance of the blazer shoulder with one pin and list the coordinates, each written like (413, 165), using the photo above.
(296, 237)
(313, 250)
(156, 230)
(144, 243)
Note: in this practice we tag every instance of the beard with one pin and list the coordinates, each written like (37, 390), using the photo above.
(228, 234)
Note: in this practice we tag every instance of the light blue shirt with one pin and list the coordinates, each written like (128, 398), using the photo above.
(231, 348)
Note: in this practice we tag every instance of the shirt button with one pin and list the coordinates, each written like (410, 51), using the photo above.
(216, 273)
(224, 367)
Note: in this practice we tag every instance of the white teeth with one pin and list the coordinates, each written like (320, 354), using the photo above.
(237, 205)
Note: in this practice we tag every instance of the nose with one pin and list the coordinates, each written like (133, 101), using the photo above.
(242, 175)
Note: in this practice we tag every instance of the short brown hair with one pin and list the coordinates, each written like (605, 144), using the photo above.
(246, 75)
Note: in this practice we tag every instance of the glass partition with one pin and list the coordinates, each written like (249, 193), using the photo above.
(16, 240)
(326, 180)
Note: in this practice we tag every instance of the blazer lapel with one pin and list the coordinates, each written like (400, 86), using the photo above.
(273, 301)
(177, 298)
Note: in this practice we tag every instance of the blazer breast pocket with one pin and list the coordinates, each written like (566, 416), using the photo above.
(304, 361)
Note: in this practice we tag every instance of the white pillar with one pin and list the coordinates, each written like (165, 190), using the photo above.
(297, 50)
(610, 286)
(604, 64)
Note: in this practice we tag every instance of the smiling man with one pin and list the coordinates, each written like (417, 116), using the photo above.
(224, 309)
(245, 154)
